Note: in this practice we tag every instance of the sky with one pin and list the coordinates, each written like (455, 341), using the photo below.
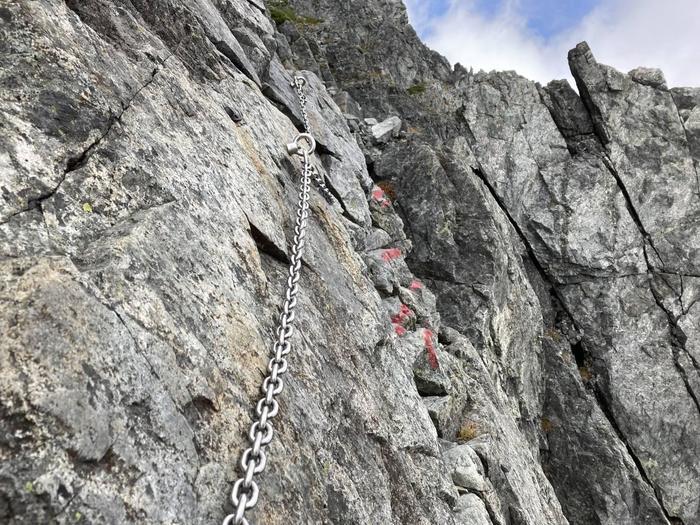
(532, 37)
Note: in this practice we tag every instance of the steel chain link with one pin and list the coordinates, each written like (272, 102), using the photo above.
(244, 495)
(299, 83)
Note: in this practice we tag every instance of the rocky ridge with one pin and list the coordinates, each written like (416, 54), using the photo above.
(498, 311)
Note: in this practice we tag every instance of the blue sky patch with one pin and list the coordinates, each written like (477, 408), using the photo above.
(550, 17)
(545, 18)
(437, 7)
(533, 37)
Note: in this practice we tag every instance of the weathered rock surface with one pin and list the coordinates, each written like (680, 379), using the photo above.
(383, 131)
(591, 242)
(146, 209)
(499, 320)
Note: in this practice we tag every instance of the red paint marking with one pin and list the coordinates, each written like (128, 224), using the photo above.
(379, 196)
(430, 348)
(416, 284)
(391, 254)
(398, 319)
(404, 313)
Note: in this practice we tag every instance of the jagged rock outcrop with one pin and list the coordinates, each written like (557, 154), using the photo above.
(590, 230)
(147, 204)
(498, 313)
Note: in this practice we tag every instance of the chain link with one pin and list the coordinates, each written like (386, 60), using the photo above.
(299, 83)
(244, 495)
(321, 183)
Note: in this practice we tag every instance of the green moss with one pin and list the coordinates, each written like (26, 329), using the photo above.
(416, 89)
(29, 486)
(281, 12)
(87, 207)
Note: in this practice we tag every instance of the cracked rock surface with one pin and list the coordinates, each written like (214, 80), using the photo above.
(498, 314)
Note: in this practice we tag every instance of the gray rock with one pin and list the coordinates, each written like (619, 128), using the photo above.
(470, 510)
(609, 489)
(477, 289)
(686, 97)
(445, 413)
(543, 158)
(143, 239)
(346, 104)
(640, 345)
(386, 129)
(467, 471)
(519, 485)
(649, 77)
(430, 379)
(504, 287)
(258, 3)
(687, 101)
(377, 239)
(655, 168)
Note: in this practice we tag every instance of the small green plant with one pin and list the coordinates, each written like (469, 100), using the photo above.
(416, 89)
(87, 207)
(281, 12)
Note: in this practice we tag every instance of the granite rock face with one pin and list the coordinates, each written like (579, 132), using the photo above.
(498, 315)
(559, 234)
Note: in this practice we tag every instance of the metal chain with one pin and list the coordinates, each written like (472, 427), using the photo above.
(244, 495)
(321, 183)
(298, 84)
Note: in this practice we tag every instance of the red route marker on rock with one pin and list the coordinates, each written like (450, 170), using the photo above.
(404, 312)
(397, 319)
(390, 254)
(430, 348)
(415, 285)
(379, 196)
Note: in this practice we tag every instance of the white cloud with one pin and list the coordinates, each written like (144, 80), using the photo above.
(419, 13)
(622, 33)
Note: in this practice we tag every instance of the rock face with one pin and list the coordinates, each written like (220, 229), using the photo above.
(498, 315)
